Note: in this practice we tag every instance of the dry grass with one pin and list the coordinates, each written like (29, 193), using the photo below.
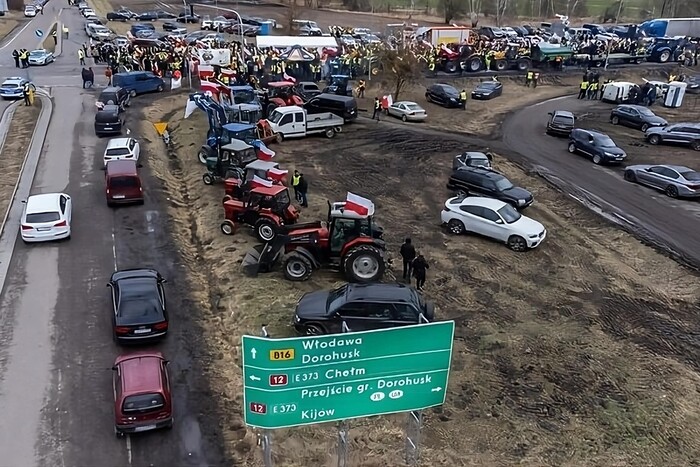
(15, 149)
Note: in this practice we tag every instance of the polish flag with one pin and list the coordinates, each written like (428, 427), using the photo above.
(205, 71)
(288, 78)
(265, 153)
(228, 72)
(358, 204)
(257, 182)
(277, 174)
(210, 87)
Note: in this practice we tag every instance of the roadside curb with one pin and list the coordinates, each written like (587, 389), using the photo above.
(58, 49)
(11, 221)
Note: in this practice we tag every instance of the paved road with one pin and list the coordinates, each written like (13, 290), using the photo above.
(667, 223)
(56, 350)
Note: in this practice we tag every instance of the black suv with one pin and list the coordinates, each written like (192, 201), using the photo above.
(560, 123)
(687, 134)
(443, 94)
(362, 307)
(485, 182)
(114, 95)
(108, 121)
(598, 146)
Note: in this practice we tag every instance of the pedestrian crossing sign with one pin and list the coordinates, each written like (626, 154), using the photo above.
(160, 127)
(39, 33)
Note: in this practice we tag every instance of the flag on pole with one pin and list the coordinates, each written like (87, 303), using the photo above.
(265, 153)
(257, 182)
(277, 174)
(359, 205)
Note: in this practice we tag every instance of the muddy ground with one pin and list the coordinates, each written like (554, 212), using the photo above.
(581, 352)
(15, 148)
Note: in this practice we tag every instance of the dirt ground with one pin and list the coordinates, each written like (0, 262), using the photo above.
(15, 148)
(8, 24)
(578, 353)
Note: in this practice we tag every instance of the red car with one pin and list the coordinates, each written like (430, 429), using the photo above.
(142, 399)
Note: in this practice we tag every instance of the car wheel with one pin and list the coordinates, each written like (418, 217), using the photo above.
(615, 120)
(228, 227)
(160, 88)
(671, 191)
(645, 127)
(695, 145)
(630, 176)
(517, 243)
(403, 118)
(314, 330)
(132, 93)
(572, 148)
(654, 139)
(597, 159)
(456, 227)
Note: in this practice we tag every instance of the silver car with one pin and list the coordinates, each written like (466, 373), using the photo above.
(674, 180)
(40, 57)
(407, 111)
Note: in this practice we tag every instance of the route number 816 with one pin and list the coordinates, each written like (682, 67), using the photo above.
(282, 354)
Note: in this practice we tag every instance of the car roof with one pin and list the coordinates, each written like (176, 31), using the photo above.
(689, 124)
(140, 372)
(110, 108)
(383, 292)
(406, 102)
(444, 85)
(118, 143)
(14, 79)
(474, 154)
(593, 133)
(632, 106)
(563, 113)
(489, 83)
(677, 168)
(39, 51)
(134, 273)
(273, 190)
(43, 203)
(279, 84)
(482, 171)
(121, 167)
(111, 89)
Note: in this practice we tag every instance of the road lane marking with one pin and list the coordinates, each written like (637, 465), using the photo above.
(128, 448)
(15, 36)
(114, 250)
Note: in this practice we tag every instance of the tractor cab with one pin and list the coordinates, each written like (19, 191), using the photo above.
(266, 209)
(344, 226)
(339, 85)
(237, 187)
(246, 132)
(245, 107)
(229, 161)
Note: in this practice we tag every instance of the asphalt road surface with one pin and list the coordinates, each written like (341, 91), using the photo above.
(56, 350)
(670, 224)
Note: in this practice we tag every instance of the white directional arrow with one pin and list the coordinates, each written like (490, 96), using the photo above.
(437, 389)
(253, 352)
(254, 378)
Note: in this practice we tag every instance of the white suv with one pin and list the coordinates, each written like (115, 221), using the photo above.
(122, 149)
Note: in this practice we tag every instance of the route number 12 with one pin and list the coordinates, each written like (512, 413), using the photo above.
(278, 380)
(256, 407)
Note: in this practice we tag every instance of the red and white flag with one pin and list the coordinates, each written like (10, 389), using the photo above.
(213, 88)
(205, 71)
(289, 78)
(359, 205)
(257, 182)
(277, 174)
(265, 153)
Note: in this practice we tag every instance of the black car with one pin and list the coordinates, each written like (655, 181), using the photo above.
(148, 16)
(114, 95)
(560, 123)
(117, 16)
(187, 18)
(126, 12)
(487, 90)
(108, 121)
(598, 146)
(138, 302)
(162, 14)
(443, 94)
(686, 134)
(362, 307)
(635, 116)
(171, 26)
(482, 181)
(492, 32)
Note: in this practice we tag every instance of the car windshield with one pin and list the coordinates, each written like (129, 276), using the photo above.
(37, 53)
(245, 96)
(503, 184)
(694, 176)
(124, 182)
(117, 152)
(10, 86)
(275, 117)
(336, 298)
(41, 217)
(143, 403)
(108, 98)
(509, 214)
(138, 299)
(488, 85)
(477, 162)
(646, 112)
(449, 90)
(606, 142)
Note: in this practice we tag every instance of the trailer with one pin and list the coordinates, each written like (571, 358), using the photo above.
(671, 27)
(438, 36)
(600, 59)
(294, 122)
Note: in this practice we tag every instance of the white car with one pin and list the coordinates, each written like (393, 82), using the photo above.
(46, 217)
(407, 111)
(494, 219)
(88, 12)
(122, 149)
(41, 57)
(98, 32)
(30, 11)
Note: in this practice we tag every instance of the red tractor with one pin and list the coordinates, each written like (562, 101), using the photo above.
(282, 94)
(348, 241)
(239, 184)
(266, 209)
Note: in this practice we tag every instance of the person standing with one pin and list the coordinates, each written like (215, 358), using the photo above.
(26, 94)
(535, 78)
(408, 253)
(81, 56)
(377, 109)
(15, 56)
(303, 188)
(420, 270)
(361, 89)
(295, 184)
(463, 99)
(24, 57)
(583, 89)
(528, 78)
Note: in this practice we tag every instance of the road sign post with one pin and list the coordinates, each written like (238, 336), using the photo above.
(316, 379)
(414, 425)
(265, 438)
(343, 430)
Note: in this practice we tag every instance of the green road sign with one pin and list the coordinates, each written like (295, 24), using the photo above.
(305, 380)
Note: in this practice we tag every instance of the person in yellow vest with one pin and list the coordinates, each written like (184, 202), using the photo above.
(671, 78)
(463, 99)
(296, 178)
(27, 94)
(81, 56)
(431, 66)
(583, 89)
(528, 78)
(593, 91)
(65, 31)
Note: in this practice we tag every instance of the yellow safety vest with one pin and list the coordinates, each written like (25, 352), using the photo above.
(584, 84)
(529, 75)
(295, 180)
(463, 96)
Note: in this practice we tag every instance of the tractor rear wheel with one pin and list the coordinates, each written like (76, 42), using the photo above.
(297, 267)
(265, 229)
(364, 263)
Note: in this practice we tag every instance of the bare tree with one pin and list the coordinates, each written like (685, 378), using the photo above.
(474, 11)
(291, 15)
(501, 7)
(402, 67)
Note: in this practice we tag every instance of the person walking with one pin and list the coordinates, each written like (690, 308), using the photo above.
(295, 184)
(54, 34)
(463, 99)
(303, 188)
(420, 270)
(26, 91)
(408, 253)
(361, 89)
(81, 56)
(15, 56)
(583, 89)
(377, 109)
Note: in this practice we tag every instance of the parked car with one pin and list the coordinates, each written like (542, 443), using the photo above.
(471, 159)
(687, 134)
(122, 149)
(13, 88)
(30, 11)
(126, 12)
(138, 82)
(560, 123)
(635, 116)
(242, 30)
(487, 90)
(114, 95)
(46, 217)
(492, 32)
(407, 111)
(443, 94)
(598, 146)
(41, 57)
(172, 26)
(87, 12)
(142, 397)
(118, 16)
(138, 305)
(676, 181)
(486, 182)
(148, 16)
(362, 307)
(188, 18)
(348, 40)
(162, 14)
(121, 41)
(108, 121)
(98, 32)
(306, 28)
(122, 183)
(494, 219)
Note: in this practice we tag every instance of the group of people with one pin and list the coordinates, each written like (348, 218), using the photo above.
(21, 57)
(414, 264)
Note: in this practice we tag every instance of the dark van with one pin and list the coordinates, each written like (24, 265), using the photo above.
(114, 96)
(342, 106)
(122, 183)
(138, 82)
(108, 121)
